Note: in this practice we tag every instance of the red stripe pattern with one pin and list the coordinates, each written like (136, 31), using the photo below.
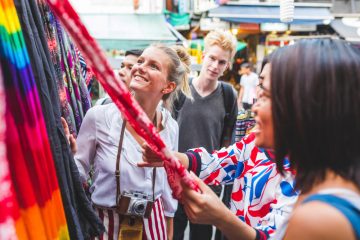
(154, 227)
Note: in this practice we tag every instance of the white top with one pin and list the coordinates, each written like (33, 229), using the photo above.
(249, 83)
(98, 141)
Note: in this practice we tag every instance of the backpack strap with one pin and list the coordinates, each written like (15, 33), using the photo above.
(230, 106)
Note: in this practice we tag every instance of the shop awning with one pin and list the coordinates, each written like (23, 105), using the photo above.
(347, 28)
(129, 31)
(270, 14)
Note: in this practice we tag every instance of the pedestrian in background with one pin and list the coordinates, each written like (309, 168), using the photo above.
(248, 82)
(127, 64)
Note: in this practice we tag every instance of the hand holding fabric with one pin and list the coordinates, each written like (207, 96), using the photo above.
(150, 158)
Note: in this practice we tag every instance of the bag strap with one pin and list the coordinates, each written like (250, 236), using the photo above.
(179, 102)
(230, 106)
(117, 171)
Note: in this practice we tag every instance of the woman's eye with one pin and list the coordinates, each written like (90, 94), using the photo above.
(154, 66)
(139, 61)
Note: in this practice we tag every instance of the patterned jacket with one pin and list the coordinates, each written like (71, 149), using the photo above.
(261, 196)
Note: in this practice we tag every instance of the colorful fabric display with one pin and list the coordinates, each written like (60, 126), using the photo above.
(72, 75)
(120, 94)
(83, 223)
(38, 210)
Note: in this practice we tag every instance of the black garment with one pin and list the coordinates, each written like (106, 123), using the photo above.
(197, 231)
(247, 106)
(82, 221)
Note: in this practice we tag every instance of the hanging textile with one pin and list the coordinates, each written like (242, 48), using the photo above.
(40, 213)
(82, 220)
(7, 198)
(72, 73)
(120, 94)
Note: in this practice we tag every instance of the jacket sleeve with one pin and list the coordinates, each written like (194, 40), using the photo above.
(281, 207)
(221, 166)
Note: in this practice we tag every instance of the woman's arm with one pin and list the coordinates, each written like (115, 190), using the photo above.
(170, 227)
(86, 144)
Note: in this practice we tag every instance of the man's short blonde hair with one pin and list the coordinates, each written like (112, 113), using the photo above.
(223, 39)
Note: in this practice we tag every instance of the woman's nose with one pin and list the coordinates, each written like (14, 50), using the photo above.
(141, 68)
(254, 107)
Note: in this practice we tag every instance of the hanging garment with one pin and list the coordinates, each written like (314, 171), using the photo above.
(7, 199)
(71, 70)
(39, 212)
(81, 218)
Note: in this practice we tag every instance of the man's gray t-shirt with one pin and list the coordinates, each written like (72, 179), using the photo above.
(201, 121)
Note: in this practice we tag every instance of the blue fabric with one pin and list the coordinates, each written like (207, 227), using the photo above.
(349, 210)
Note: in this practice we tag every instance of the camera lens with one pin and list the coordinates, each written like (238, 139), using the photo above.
(139, 207)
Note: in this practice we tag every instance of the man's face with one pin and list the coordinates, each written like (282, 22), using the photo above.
(245, 70)
(126, 66)
(215, 62)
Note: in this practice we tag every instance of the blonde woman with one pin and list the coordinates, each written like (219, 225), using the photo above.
(157, 75)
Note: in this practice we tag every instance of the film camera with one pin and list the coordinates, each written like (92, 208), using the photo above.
(134, 203)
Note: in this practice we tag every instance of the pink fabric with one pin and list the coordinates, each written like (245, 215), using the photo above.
(7, 201)
(119, 93)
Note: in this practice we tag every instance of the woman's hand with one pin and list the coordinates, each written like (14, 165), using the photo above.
(70, 138)
(150, 158)
(204, 207)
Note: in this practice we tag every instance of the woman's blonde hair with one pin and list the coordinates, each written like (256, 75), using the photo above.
(178, 71)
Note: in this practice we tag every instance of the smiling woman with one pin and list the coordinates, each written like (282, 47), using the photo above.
(113, 147)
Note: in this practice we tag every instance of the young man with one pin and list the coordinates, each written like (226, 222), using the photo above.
(205, 120)
(130, 59)
(249, 81)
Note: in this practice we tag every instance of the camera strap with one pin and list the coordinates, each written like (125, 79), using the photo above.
(117, 171)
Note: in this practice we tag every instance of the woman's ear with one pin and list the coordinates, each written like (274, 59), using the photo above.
(170, 87)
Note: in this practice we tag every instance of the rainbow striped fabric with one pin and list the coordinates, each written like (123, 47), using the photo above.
(36, 209)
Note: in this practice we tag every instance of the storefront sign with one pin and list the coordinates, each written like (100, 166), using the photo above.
(302, 27)
(269, 27)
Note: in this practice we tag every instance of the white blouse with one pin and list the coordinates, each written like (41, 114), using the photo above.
(98, 141)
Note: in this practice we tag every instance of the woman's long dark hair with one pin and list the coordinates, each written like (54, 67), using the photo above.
(315, 87)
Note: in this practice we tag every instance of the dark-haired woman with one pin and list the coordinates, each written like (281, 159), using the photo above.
(309, 111)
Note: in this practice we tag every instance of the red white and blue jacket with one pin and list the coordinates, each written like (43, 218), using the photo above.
(261, 196)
